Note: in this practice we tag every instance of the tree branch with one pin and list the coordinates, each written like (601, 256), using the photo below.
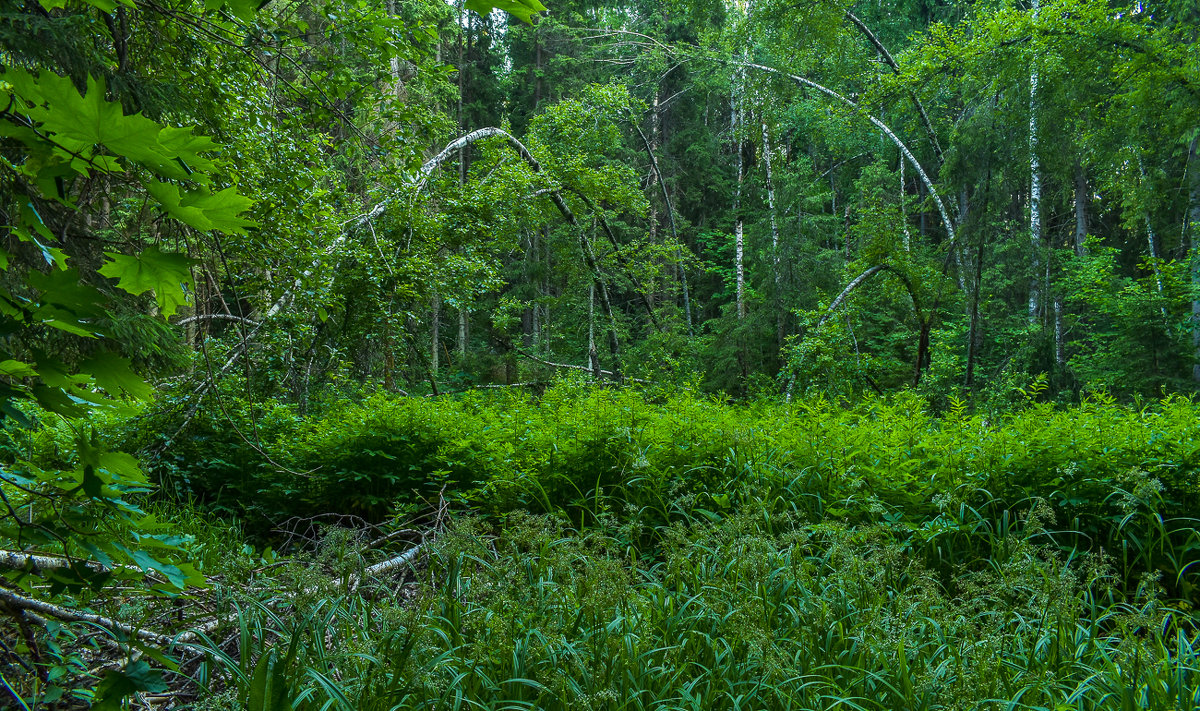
(946, 222)
(891, 62)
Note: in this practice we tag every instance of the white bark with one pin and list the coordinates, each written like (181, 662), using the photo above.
(951, 233)
(20, 602)
(887, 58)
(593, 356)
(16, 560)
(776, 257)
(904, 214)
(738, 225)
(435, 317)
(1151, 243)
(1060, 354)
(1035, 189)
(463, 331)
(1081, 210)
(417, 184)
(1194, 244)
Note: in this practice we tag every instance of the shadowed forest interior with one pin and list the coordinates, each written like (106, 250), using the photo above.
(673, 354)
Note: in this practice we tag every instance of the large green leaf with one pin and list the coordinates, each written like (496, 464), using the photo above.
(116, 685)
(90, 119)
(80, 122)
(153, 270)
(202, 210)
(113, 373)
(521, 9)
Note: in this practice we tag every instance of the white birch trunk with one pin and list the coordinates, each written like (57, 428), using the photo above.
(435, 327)
(738, 226)
(904, 212)
(1060, 354)
(1035, 189)
(776, 256)
(1194, 245)
(463, 331)
(593, 355)
(1152, 243)
(1081, 210)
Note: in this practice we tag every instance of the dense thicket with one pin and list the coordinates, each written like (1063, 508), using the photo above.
(1003, 191)
(332, 260)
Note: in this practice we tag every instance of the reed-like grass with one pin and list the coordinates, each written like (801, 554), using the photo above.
(756, 611)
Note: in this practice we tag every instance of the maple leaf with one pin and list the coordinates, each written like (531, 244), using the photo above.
(163, 273)
(113, 373)
(522, 9)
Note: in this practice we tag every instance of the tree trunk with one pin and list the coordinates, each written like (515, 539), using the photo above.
(951, 233)
(1194, 244)
(1081, 210)
(462, 74)
(593, 356)
(681, 270)
(1060, 353)
(738, 224)
(904, 210)
(435, 328)
(1035, 190)
(922, 351)
(1152, 244)
(464, 331)
(776, 257)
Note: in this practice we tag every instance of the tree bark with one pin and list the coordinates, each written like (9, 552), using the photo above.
(1081, 210)
(435, 325)
(464, 332)
(593, 357)
(951, 233)
(682, 271)
(887, 58)
(1194, 245)
(423, 175)
(776, 257)
(1035, 190)
(738, 224)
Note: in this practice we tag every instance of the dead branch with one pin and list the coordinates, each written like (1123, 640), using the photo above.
(20, 602)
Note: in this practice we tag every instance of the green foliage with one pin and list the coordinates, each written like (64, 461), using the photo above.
(525, 10)
(1136, 343)
(945, 484)
(756, 609)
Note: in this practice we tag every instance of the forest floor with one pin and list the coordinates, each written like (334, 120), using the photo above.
(594, 549)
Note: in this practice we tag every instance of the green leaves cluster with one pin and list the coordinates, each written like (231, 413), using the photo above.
(60, 359)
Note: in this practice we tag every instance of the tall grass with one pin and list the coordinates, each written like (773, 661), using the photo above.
(752, 612)
(630, 551)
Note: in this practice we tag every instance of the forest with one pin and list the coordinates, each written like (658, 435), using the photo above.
(648, 355)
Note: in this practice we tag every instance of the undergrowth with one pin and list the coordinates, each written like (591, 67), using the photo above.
(756, 611)
(950, 486)
(612, 549)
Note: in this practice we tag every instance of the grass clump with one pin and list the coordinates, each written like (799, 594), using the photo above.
(750, 612)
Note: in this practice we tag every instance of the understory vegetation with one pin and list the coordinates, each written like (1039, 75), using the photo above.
(621, 549)
(471, 355)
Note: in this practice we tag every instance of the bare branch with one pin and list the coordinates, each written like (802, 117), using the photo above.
(217, 317)
(891, 62)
